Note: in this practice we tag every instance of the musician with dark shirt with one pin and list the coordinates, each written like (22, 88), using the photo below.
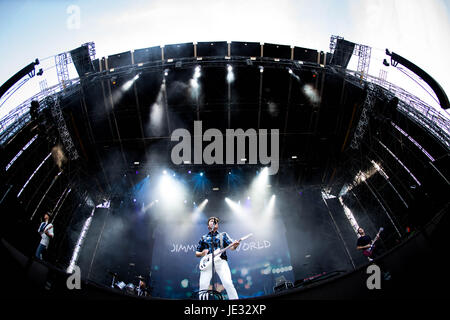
(364, 243)
(204, 247)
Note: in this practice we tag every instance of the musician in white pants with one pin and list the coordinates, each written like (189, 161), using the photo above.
(221, 240)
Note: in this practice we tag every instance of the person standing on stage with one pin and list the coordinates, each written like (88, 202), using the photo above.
(206, 246)
(46, 231)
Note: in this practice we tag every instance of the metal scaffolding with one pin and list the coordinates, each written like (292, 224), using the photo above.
(363, 53)
(364, 118)
(62, 129)
(62, 70)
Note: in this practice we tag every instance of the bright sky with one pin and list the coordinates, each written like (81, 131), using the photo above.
(416, 29)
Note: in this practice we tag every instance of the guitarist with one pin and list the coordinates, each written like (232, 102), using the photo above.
(204, 247)
(46, 232)
(364, 242)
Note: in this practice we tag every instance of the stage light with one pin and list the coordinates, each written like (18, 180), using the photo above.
(261, 69)
(268, 212)
(198, 210)
(257, 191)
(194, 83)
(197, 73)
(201, 174)
(157, 112)
(129, 83)
(290, 71)
(171, 192)
(230, 74)
(311, 93)
(79, 243)
(237, 209)
(166, 72)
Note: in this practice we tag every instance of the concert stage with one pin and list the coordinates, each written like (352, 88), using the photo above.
(284, 143)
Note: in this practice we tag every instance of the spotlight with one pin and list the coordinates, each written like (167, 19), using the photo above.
(171, 192)
(194, 83)
(230, 74)
(194, 80)
(197, 73)
(201, 174)
(198, 210)
(261, 69)
(129, 83)
(290, 70)
(236, 208)
(164, 172)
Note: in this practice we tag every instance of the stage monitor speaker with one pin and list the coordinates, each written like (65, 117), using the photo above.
(211, 49)
(181, 50)
(147, 55)
(305, 54)
(342, 53)
(82, 60)
(118, 60)
(245, 49)
(277, 51)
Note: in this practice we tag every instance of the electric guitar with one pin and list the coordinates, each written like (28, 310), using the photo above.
(206, 261)
(368, 252)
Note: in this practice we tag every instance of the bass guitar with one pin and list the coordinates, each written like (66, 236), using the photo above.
(206, 261)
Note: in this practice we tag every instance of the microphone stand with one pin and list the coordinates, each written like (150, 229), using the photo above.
(214, 291)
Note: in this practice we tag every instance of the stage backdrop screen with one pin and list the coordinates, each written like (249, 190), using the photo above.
(255, 265)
